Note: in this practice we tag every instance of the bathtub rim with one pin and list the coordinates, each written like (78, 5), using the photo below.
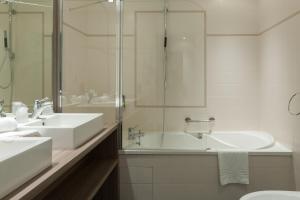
(276, 150)
(156, 150)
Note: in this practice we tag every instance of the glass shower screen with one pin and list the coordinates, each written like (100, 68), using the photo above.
(164, 62)
(176, 79)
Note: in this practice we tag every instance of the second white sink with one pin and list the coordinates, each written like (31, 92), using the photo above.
(21, 159)
(68, 131)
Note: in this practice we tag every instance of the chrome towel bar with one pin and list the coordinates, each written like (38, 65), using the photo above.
(189, 120)
(290, 103)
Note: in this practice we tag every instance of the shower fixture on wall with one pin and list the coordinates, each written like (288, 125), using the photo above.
(5, 58)
(91, 4)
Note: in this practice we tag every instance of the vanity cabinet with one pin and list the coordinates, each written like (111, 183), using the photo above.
(89, 172)
(94, 177)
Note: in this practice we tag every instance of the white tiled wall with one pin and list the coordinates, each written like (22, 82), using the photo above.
(232, 74)
(279, 72)
(279, 79)
(250, 79)
(232, 67)
(273, 11)
(252, 70)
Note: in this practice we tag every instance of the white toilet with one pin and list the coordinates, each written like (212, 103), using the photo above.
(272, 195)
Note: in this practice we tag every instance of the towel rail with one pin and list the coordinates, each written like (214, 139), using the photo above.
(210, 121)
(189, 120)
(290, 103)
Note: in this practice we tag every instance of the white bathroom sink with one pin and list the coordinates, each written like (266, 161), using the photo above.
(21, 159)
(68, 131)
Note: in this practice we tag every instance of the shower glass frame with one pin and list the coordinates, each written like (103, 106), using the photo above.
(57, 59)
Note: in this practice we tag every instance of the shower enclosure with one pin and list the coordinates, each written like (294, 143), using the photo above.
(164, 66)
(90, 63)
(25, 50)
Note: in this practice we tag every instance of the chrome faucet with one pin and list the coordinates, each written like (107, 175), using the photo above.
(40, 106)
(2, 113)
(133, 134)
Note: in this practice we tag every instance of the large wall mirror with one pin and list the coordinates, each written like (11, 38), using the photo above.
(25, 50)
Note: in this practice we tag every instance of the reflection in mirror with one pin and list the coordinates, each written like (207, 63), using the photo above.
(89, 57)
(25, 50)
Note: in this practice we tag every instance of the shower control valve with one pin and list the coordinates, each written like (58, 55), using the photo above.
(133, 134)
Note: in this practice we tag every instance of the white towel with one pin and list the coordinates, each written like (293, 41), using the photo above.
(8, 124)
(233, 167)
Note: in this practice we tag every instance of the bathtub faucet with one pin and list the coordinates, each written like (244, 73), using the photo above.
(133, 134)
(40, 106)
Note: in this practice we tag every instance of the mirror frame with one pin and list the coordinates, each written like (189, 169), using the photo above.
(57, 38)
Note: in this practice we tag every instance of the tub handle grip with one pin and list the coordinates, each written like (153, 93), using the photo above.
(189, 120)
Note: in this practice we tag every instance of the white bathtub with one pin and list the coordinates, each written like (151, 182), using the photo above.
(272, 195)
(251, 141)
(180, 166)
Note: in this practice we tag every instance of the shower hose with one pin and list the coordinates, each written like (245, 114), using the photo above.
(2, 64)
